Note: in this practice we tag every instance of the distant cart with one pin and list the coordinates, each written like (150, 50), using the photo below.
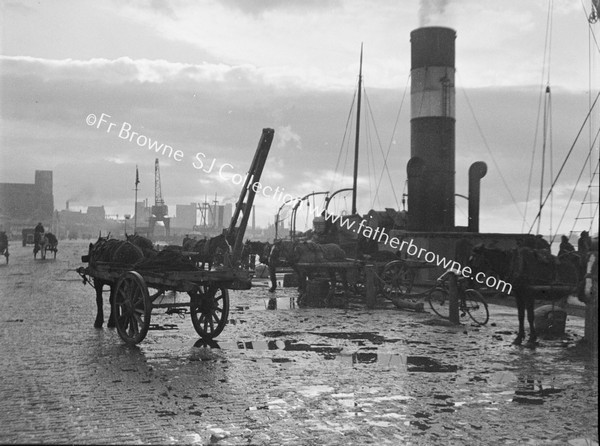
(4, 246)
(394, 278)
(28, 236)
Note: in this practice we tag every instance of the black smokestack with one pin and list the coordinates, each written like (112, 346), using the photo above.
(476, 172)
(432, 144)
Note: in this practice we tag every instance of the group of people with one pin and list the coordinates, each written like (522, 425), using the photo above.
(584, 244)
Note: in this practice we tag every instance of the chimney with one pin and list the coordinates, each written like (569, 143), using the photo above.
(431, 168)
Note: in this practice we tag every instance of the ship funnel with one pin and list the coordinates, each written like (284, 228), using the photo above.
(431, 169)
(476, 172)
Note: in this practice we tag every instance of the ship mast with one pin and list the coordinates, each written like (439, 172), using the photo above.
(355, 176)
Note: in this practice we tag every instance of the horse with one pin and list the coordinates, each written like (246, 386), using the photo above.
(40, 242)
(52, 244)
(296, 253)
(533, 274)
(4, 245)
(279, 253)
(115, 251)
(207, 251)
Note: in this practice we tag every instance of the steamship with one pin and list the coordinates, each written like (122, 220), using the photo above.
(430, 219)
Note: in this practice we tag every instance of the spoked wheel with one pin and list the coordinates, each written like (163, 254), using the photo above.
(132, 307)
(439, 301)
(209, 310)
(396, 279)
(476, 307)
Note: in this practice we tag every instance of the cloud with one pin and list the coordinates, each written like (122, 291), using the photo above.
(287, 139)
(219, 110)
(260, 7)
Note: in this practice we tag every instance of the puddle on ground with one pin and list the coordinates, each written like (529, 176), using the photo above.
(163, 327)
(370, 356)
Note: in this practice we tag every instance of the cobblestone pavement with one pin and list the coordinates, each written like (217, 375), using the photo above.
(282, 376)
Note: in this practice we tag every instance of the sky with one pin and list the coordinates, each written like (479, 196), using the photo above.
(200, 79)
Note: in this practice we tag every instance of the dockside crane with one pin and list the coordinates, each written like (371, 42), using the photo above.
(160, 210)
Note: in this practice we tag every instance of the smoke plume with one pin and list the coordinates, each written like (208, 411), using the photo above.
(431, 11)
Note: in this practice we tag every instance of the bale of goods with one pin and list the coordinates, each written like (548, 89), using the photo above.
(550, 321)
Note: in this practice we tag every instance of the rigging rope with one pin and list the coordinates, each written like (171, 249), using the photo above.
(544, 87)
(385, 158)
(575, 188)
(370, 130)
(485, 143)
(565, 160)
(344, 141)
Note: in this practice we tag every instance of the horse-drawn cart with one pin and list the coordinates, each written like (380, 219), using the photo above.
(394, 277)
(131, 273)
(135, 292)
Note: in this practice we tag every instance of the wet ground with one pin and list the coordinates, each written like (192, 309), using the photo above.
(278, 374)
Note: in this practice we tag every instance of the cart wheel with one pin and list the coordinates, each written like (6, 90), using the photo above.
(210, 310)
(132, 307)
(396, 279)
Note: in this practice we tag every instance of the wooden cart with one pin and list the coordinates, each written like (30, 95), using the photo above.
(208, 293)
(136, 293)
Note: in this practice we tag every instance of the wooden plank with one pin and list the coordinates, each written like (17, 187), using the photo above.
(184, 281)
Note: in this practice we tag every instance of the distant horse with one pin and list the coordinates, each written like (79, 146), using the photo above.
(52, 244)
(4, 245)
(40, 242)
(207, 251)
(533, 274)
(279, 253)
(114, 251)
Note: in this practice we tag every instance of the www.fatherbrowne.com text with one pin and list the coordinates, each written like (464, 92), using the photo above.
(409, 247)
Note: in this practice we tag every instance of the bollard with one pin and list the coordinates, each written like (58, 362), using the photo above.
(453, 296)
(370, 297)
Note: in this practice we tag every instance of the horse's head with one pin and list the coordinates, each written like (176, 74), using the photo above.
(221, 242)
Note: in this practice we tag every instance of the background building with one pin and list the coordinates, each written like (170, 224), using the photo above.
(24, 205)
